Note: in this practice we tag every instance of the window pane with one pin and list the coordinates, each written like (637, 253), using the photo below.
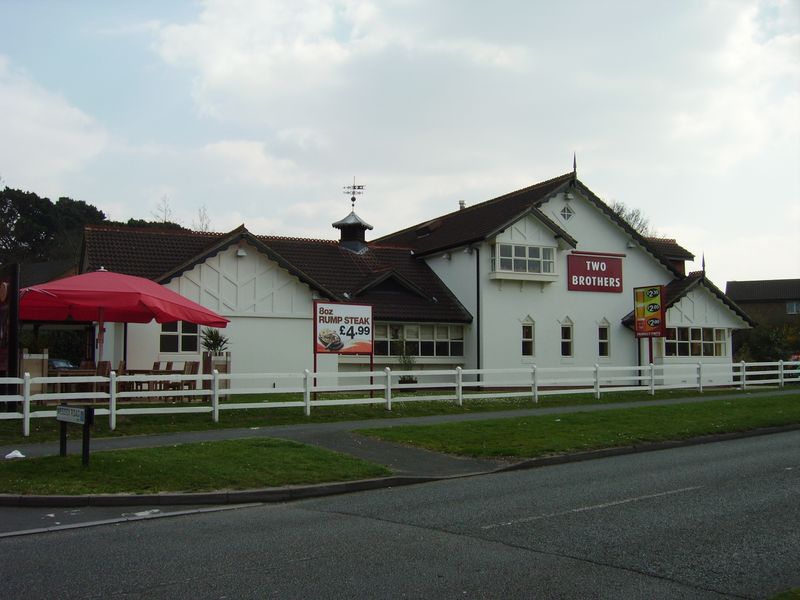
(505, 264)
(426, 348)
(534, 266)
(603, 350)
(426, 332)
(547, 267)
(395, 331)
(534, 252)
(671, 333)
(670, 349)
(566, 332)
(189, 327)
(719, 335)
(683, 334)
(441, 332)
(412, 332)
(683, 349)
(708, 349)
(381, 348)
(456, 348)
(456, 332)
(602, 333)
(695, 334)
(380, 330)
(412, 348)
(566, 348)
(395, 348)
(189, 343)
(547, 253)
(520, 251)
(442, 348)
(527, 332)
(169, 327)
(505, 250)
(519, 265)
(527, 348)
(708, 334)
(169, 343)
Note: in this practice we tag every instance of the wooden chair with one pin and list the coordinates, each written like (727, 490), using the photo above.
(124, 386)
(103, 370)
(189, 368)
(157, 365)
(86, 365)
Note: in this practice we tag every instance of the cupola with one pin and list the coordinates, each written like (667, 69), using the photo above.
(352, 226)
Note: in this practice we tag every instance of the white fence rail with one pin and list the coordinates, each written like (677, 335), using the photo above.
(115, 395)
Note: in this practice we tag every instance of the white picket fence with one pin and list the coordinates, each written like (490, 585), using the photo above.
(114, 395)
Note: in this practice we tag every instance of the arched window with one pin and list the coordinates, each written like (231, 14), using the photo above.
(528, 337)
(567, 338)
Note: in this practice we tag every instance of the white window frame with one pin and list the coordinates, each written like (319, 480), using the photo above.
(183, 332)
(569, 326)
(420, 340)
(793, 307)
(511, 258)
(528, 339)
(697, 342)
(604, 326)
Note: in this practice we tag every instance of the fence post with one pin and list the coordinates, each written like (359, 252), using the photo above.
(307, 391)
(26, 404)
(534, 385)
(388, 394)
(780, 373)
(112, 400)
(652, 379)
(742, 376)
(700, 377)
(459, 386)
(596, 381)
(215, 395)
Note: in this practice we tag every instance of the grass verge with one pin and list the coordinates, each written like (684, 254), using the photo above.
(46, 429)
(529, 437)
(231, 464)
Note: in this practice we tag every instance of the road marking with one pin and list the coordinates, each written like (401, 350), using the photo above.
(593, 507)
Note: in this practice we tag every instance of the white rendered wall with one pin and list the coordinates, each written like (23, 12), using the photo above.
(270, 310)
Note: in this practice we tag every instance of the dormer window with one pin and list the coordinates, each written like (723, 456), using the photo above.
(567, 213)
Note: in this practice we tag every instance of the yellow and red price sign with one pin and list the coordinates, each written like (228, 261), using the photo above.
(650, 317)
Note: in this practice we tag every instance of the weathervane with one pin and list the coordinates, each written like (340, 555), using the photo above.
(353, 191)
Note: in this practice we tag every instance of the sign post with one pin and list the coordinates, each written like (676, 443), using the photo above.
(649, 315)
(79, 416)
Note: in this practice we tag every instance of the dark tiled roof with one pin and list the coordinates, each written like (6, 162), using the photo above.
(678, 288)
(764, 290)
(670, 248)
(479, 221)
(42, 272)
(324, 265)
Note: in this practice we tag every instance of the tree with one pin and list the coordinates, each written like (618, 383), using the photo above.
(203, 220)
(633, 217)
(163, 211)
(33, 229)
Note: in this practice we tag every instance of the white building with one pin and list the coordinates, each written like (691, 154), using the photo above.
(541, 275)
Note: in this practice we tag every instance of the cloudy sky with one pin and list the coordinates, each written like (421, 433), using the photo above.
(260, 111)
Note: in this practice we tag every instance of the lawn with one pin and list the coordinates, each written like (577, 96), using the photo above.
(231, 464)
(46, 429)
(528, 437)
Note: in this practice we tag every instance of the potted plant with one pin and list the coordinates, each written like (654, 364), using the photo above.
(213, 341)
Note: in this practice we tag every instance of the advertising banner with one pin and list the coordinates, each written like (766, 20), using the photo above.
(650, 319)
(594, 272)
(342, 328)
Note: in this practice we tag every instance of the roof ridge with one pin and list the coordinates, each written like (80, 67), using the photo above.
(153, 229)
(290, 238)
(480, 204)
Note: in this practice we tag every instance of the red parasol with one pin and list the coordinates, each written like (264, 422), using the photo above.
(105, 296)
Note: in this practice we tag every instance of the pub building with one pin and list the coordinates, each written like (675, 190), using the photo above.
(543, 275)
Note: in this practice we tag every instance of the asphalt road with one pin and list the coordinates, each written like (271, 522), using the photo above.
(713, 521)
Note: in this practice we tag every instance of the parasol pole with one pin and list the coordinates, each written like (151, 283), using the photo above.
(101, 335)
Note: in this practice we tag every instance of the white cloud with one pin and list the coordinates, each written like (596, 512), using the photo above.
(248, 162)
(44, 136)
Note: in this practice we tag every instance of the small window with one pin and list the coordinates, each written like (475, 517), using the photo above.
(567, 213)
(566, 340)
(527, 339)
(604, 340)
(793, 307)
(179, 337)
